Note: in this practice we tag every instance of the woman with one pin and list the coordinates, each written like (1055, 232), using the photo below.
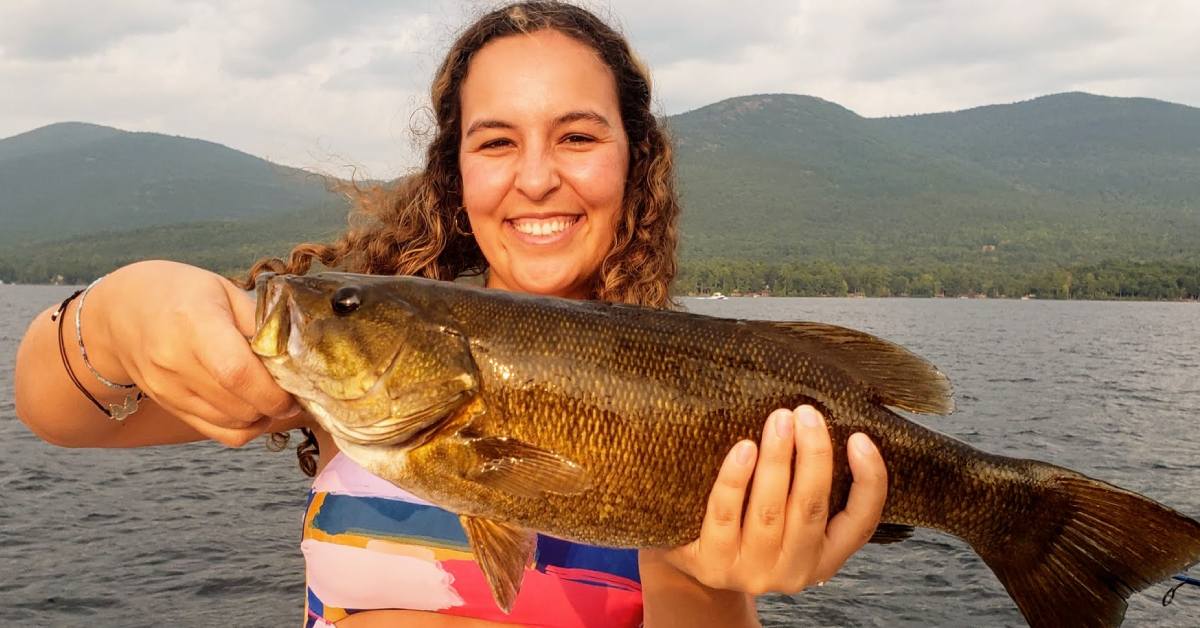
(549, 171)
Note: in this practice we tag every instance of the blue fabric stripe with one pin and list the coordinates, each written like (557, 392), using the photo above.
(390, 519)
(396, 519)
(316, 606)
(559, 553)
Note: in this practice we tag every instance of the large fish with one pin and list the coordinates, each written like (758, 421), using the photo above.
(607, 424)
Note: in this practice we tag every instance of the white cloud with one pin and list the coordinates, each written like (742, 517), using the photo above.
(325, 84)
(61, 29)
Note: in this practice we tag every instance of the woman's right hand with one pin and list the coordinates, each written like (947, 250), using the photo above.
(180, 333)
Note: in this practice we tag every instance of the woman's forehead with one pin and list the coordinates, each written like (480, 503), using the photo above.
(537, 77)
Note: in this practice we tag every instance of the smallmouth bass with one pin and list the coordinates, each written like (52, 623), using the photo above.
(607, 424)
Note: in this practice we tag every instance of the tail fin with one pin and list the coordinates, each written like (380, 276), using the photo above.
(1108, 544)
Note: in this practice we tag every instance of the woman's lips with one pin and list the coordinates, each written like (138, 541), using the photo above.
(544, 231)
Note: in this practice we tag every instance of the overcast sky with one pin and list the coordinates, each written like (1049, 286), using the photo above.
(326, 84)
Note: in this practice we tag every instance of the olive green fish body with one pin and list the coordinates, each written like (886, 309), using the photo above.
(607, 424)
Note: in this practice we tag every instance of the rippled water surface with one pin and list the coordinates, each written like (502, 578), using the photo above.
(202, 535)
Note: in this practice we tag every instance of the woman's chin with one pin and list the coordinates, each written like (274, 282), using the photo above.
(548, 279)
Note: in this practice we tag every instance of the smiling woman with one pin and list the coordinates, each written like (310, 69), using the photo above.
(543, 167)
(549, 172)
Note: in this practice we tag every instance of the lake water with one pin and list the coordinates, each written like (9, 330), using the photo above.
(202, 535)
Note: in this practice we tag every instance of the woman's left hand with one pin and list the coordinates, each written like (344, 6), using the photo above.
(787, 541)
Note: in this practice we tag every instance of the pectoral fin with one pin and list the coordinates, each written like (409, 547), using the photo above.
(521, 469)
(503, 551)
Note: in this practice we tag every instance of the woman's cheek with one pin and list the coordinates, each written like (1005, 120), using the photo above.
(485, 182)
(600, 179)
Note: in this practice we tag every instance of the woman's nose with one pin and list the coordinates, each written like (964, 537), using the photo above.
(538, 175)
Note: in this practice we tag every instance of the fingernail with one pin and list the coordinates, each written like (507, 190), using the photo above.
(809, 416)
(862, 443)
(744, 453)
(292, 412)
(783, 424)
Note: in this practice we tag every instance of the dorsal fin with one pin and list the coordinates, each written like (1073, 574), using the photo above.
(898, 376)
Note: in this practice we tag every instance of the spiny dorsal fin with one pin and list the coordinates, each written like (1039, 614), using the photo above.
(522, 469)
(503, 551)
(898, 376)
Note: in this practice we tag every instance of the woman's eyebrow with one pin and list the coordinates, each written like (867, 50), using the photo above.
(575, 116)
(566, 118)
(487, 124)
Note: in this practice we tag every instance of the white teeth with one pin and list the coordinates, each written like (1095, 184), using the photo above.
(543, 226)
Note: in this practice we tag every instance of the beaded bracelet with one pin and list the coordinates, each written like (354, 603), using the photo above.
(83, 350)
(114, 411)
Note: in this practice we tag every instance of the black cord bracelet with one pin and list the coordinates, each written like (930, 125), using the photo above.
(111, 411)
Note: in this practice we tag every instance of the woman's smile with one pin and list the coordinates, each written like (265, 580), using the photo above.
(545, 230)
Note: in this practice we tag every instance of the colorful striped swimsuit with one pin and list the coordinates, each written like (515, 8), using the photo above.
(370, 545)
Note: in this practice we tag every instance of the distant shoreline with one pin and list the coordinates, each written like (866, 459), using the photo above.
(701, 297)
(711, 297)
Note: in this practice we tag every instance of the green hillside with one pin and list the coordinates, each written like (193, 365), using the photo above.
(73, 178)
(1068, 178)
(226, 246)
(1090, 147)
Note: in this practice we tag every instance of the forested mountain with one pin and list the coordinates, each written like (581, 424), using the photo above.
(1064, 178)
(73, 178)
(784, 191)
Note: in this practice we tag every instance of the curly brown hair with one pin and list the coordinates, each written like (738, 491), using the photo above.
(419, 227)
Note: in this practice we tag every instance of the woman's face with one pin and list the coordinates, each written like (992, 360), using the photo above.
(543, 161)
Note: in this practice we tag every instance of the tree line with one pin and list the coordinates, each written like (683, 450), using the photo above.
(1114, 279)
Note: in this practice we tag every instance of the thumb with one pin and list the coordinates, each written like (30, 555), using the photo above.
(242, 304)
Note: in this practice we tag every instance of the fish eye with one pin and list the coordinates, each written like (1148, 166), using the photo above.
(346, 300)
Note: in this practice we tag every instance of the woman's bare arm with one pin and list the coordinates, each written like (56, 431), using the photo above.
(671, 598)
(172, 329)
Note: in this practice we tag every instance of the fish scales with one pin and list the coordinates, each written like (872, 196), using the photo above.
(548, 382)
(607, 424)
(572, 410)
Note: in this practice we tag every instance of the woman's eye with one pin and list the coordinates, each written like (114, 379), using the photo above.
(577, 138)
(497, 143)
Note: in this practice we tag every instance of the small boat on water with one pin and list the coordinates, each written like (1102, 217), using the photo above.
(717, 296)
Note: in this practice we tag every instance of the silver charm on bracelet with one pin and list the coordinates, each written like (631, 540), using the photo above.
(119, 411)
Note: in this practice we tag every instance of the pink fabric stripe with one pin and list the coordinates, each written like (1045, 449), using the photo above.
(344, 477)
(545, 600)
(342, 576)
